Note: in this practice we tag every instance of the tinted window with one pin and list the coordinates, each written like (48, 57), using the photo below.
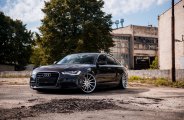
(111, 61)
(101, 58)
(78, 59)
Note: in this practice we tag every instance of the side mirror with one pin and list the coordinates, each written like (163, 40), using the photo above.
(55, 62)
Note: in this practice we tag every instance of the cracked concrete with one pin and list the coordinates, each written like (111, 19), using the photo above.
(136, 102)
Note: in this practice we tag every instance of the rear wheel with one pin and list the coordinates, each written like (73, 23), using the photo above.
(123, 81)
(88, 84)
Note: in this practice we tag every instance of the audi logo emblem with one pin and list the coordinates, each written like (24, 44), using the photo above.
(46, 74)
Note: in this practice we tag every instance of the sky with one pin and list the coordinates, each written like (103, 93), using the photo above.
(135, 12)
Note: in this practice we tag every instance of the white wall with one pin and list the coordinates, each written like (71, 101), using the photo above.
(164, 36)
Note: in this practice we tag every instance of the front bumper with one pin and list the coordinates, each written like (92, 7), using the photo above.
(63, 81)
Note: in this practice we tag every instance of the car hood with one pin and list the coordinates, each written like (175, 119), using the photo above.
(63, 67)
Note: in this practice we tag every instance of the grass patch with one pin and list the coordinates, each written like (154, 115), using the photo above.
(157, 81)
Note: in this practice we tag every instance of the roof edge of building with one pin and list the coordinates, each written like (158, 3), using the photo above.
(115, 34)
(170, 8)
(134, 26)
(144, 26)
(121, 27)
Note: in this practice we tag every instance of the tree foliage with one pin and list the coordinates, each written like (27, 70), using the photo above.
(71, 26)
(15, 41)
(38, 56)
(154, 64)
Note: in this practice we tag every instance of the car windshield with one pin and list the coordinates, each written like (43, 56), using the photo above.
(78, 59)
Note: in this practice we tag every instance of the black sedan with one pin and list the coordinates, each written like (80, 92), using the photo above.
(83, 70)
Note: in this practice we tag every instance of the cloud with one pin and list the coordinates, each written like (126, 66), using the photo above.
(116, 7)
(34, 29)
(28, 11)
(160, 2)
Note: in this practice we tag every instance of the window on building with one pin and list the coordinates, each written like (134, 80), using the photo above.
(140, 46)
(136, 46)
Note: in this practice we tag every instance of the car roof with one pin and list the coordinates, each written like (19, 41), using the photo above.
(88, 53)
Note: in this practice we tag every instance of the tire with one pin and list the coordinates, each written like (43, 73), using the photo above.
(123, 81)
(88, 83)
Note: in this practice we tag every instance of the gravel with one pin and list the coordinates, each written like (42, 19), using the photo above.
(58, 106)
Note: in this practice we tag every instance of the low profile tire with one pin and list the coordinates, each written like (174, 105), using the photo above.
(123, 81)
(88, 84)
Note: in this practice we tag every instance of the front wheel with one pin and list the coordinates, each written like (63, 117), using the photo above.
(123, 81)
(88, 83)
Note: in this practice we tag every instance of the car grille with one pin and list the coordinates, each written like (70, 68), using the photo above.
(47, 78)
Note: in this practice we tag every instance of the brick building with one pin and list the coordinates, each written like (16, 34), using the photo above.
(164, 36)
(135, 46)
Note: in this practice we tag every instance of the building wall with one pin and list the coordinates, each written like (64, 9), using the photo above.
(145, 46)
(145, 36)
(124, 30)
(145, 31)
(164, 24)
(121, 49)
(153, 74)
(145, 52)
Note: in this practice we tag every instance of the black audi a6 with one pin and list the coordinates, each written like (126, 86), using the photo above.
(83, 70)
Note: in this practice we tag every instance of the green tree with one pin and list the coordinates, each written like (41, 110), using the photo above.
(154, 64)
(15, 41)
(71, 26)
(37, 56)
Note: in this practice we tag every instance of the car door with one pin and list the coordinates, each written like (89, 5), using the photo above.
(112, 67)
(105, 73)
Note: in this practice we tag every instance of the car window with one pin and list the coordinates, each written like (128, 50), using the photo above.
(78, 59)
(102, 58)
(111, 61)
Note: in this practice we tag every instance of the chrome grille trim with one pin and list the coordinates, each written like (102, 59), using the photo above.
(49, 80)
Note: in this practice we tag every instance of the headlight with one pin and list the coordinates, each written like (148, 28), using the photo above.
(34, 72)
(71, 72)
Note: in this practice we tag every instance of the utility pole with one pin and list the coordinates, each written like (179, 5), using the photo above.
(173, 70)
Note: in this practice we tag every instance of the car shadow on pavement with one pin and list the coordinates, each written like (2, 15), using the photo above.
(100, 90)
(116, 90)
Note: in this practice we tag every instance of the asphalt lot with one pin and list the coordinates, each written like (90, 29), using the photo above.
(18, 101)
